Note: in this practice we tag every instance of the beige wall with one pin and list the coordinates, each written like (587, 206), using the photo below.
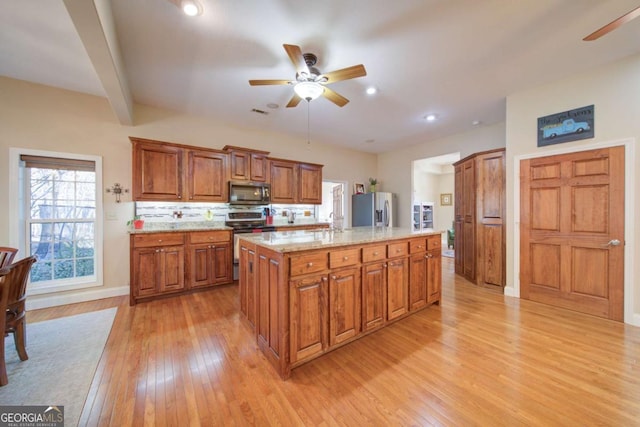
(43, 118)
(613, 89)
(395, 167)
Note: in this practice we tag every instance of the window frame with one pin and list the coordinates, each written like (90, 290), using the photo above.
(18, 220)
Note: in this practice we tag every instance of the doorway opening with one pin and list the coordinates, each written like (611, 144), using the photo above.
(432, 196)
(333, 208)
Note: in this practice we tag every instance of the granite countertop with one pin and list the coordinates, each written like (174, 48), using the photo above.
(179, 227)
(298, 223)
(300, 240)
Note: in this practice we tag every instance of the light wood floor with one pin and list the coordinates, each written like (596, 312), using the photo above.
(477, 359)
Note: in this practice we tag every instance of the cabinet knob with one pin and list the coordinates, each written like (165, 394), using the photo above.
(309, 264)
(161, 250)
(398, 250)
(159, 240)
(324, 279)
(179, 196)
(157, 250)
(419, 246)
(375, 254)
(334, 277)
(384, 265)
(345, 258)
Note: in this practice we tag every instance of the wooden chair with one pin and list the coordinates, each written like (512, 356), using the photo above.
(6, 256)
(14, 287)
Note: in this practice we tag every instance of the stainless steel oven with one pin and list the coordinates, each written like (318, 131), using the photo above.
(242, 223)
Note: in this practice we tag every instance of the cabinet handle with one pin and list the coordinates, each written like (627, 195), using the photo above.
(179, 196)
(161, 250)
(345, 258)
(324, 279)
(334, 277)
(157, 250)
(159, 240)
(398, 250)
(309, 264)
(384, 265)
(419, 246)
(375, 254)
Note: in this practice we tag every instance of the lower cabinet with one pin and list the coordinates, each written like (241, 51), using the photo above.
(173, 262)
(344, 305)
(425, 272)
(397, 288)
(308, 316)
(248, 289)
(374, 290)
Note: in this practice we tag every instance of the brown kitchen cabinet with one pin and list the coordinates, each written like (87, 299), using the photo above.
(295, 182)
(425, 272)
(157, 171)
(164, 171)
(374, 291)
(480, 218)
(210, 259)
(309, 313)
(247, 164)
(248, 292)
(157, 265)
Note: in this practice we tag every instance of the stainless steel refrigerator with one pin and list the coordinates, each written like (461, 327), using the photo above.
(373, 209)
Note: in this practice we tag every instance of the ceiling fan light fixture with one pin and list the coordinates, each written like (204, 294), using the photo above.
(308, 90)
(191, 7)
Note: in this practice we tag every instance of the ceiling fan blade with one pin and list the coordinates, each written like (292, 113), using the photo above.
(295, 55)
(613, 25)
(268, 82)
(345, 74)
(335, 97)
(295, 100)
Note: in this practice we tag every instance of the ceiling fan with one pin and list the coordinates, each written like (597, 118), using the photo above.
(310, 83)
(613, 25)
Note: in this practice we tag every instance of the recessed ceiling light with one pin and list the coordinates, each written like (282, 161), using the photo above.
(370, 141)
(371, 90)
(430, 117)
(476, 122)
(272, 105)
(191, 7)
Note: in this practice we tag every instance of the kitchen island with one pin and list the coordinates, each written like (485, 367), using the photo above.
(306, 293)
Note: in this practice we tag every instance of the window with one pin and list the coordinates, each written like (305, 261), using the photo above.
(60, 220)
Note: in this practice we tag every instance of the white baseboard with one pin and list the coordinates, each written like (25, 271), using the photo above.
(53, 300)
(510, 291)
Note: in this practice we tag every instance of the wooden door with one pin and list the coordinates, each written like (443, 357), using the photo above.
(374, 289)
(417, 281)
(397, 287)
(308, 308)
(157, 172)
(571, 218)
(344, 305)
(200, 265)
(208, 176)
(310, 183)
(283, 181)
(172, 268)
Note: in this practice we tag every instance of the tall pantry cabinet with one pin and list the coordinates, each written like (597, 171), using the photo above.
(480, 218)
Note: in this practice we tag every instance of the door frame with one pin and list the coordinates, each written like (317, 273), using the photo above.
(629, 200)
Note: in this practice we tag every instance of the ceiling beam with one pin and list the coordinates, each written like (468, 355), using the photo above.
(94, 23)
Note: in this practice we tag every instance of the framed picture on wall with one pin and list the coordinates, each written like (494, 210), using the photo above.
(446, 199)
(358, 188)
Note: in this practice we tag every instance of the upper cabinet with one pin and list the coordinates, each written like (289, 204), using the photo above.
(157, 171)
(164, 171)
(247, 164)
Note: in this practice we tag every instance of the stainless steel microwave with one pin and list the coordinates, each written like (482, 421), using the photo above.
(249, 193)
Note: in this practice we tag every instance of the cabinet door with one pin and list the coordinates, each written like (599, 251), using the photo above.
(157, 172)
(344, 305)
(247, 281)
(200, 266)
(308, 322)
(374, 289)
(310, 184)
(207, 176)
(397, 288)
(146, 272)
(458, 242)
(171, 268)
(283, 181)
(417, 281)
(222, 261)
(240, 165)
(259, 167)
(434, 276)
(469, 220)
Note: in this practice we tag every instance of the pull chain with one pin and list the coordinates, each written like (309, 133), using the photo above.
(308, 126)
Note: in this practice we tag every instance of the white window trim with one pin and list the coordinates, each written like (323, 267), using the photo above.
(17, 223)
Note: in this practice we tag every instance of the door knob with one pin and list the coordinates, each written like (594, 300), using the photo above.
(613, 242)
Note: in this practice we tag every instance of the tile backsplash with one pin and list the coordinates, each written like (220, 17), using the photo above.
(163, 211)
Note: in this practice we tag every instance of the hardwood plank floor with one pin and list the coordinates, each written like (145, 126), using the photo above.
(479, 358)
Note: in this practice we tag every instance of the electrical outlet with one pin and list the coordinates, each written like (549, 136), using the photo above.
(111, 216)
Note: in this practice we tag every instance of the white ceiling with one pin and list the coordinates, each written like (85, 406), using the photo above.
(458, 59)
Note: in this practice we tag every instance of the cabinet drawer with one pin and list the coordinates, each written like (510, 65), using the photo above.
(344, 258)
(417, 245)
(397, 249)
(209, 236)
(374, 253)
(157, 239)
(434, 243)
(308, 263)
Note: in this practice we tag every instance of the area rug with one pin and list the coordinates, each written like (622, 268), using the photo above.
(448, 253)
(63, 356)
